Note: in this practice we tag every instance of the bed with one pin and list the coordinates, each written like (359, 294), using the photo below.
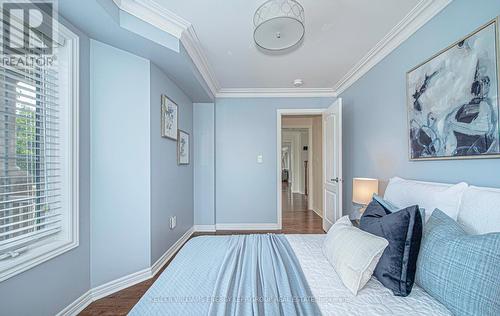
(198, 277)
(334, 298)
(191, 283)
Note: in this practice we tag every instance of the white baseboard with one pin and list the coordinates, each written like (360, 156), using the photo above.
(204, 228)
(318, 212)
(120, 284)
(156, 267)
(78, 305)
(126, 281)
(262, 226)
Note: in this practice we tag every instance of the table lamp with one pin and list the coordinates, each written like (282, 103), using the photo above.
(362, 191)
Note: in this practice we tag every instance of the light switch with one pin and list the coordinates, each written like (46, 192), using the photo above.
(260, 159)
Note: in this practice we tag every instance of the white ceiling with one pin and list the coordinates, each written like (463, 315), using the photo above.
(339, 33)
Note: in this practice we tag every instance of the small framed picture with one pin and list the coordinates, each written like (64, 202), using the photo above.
(169, 118)
(183, 148)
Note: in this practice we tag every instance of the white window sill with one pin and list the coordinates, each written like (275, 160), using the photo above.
(33, 257)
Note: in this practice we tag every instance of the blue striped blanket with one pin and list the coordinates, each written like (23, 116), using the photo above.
(231, 275)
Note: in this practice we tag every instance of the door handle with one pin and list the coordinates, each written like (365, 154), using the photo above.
(335, 180)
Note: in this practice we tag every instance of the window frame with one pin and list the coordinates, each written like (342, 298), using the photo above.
(47, 249)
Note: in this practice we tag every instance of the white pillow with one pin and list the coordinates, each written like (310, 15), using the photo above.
(353, 253)
(430, 196)
(480, 210)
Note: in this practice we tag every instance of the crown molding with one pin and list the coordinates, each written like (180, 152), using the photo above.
(193, 47)
(158, 16)
(165, 20)
(413, 21)
(276, 93)
(154, 14)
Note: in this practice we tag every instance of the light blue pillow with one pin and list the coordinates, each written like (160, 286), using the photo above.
(393, 208)
(461, 271)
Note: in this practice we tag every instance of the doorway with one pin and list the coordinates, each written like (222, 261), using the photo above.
(309, 169)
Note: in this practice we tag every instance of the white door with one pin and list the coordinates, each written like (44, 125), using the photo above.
(332, 164)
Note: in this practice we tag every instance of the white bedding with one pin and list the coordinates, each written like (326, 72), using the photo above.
(374, 299)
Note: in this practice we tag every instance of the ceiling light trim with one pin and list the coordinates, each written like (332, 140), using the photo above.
(412, 22)
(276, 93)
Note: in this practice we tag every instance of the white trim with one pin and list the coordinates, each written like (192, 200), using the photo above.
(75, 134)
(279, 114)
(45, 252)
(246, 226)
(193, 47)
(276, 93)
(78, 305)
(412, 22)
(318, 213)
(154, 14)
(157, 15)
(299, 112)
(126, 281)
(204, 228)
(156, 267)
(120, 284)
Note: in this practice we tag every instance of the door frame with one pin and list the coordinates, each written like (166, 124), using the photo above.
(280, 113)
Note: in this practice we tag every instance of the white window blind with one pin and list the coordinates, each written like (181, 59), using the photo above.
(30, 152)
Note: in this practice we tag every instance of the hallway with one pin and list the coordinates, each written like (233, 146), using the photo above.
(297, 219)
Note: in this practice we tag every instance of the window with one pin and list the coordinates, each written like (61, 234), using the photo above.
(38, 151)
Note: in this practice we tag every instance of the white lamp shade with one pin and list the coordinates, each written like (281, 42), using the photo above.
(363, 190)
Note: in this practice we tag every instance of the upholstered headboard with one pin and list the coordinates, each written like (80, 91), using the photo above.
(477, 209)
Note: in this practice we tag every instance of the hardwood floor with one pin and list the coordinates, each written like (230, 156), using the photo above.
(296, 220)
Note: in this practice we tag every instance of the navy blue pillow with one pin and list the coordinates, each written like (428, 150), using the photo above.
(403, 230)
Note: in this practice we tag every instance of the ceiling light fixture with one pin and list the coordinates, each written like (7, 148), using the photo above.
(279, 24)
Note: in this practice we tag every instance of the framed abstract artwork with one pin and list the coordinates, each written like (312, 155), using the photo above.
(169, 118)
(183, 148)
(452, 100)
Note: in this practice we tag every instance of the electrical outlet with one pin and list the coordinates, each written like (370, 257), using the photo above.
(173, 222)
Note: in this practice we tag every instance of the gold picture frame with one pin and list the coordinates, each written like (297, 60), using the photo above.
(411, 98)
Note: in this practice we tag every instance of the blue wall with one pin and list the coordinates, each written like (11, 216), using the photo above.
(171, 184)
(204, 164)
(375, 123)
(245, 128)
(120, 163)
(49, 287)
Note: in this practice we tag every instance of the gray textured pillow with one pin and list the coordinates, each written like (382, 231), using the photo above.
(461, 271)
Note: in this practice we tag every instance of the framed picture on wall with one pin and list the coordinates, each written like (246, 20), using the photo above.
(169, 118)
(453, 104)
(183, 148)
